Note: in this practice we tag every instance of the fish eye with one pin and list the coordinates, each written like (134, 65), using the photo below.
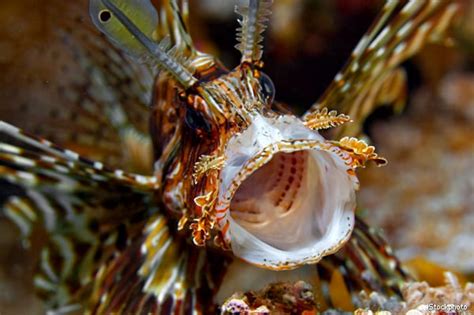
(105, 16)
(268, 88)
(196, 121)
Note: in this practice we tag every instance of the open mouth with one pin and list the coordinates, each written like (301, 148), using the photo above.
(290, 203)
(275, 200)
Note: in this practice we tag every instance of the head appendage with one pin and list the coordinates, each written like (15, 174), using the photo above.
(165, 59)
(253, 23)
(173, 21)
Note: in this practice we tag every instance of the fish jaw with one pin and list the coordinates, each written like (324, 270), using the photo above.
(286, 195)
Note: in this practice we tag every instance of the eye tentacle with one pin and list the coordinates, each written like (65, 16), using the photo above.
(178, 71)
(253, 22)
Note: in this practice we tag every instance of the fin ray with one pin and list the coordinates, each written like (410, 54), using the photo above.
(398, 33)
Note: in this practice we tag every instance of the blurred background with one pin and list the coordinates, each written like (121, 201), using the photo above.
(423, 200)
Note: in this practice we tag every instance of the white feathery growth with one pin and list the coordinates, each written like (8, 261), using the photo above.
(254, 17)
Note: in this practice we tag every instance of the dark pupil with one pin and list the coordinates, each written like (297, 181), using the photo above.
(105, 16)
(268, 89)
(196, 121)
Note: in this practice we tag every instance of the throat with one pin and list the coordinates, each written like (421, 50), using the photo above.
(276, 200)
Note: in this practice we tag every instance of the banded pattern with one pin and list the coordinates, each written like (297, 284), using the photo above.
(32, 161)
(366, 263)
(324, 119)
(235, 99)
(371, 76)
(254, 20)
(174, 15)
(99, 246)
(72, 249)
(129, 266)
(93, 217)
(84, 207)
(158, 274)
(154, 52)
(108, 247)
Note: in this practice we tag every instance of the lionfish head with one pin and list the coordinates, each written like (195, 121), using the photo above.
(262, 183)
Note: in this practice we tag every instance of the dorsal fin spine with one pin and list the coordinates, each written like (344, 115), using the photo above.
(164, 59)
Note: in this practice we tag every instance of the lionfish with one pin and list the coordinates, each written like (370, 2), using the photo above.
(173, 181)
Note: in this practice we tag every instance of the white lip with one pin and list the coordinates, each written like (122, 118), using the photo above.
(322, 219)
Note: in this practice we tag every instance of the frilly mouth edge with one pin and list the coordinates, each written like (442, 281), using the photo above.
(289, 203)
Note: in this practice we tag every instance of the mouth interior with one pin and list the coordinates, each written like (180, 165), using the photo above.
(282, 203)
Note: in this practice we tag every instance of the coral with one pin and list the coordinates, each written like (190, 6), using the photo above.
(276, 298)
(421, 298)
(298, 298)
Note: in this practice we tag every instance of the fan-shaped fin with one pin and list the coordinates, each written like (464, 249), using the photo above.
(365, 263)
(141, 12)
(82, 208)
(400, 31)
(31, 161)
(152, 49)
(158, 274)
